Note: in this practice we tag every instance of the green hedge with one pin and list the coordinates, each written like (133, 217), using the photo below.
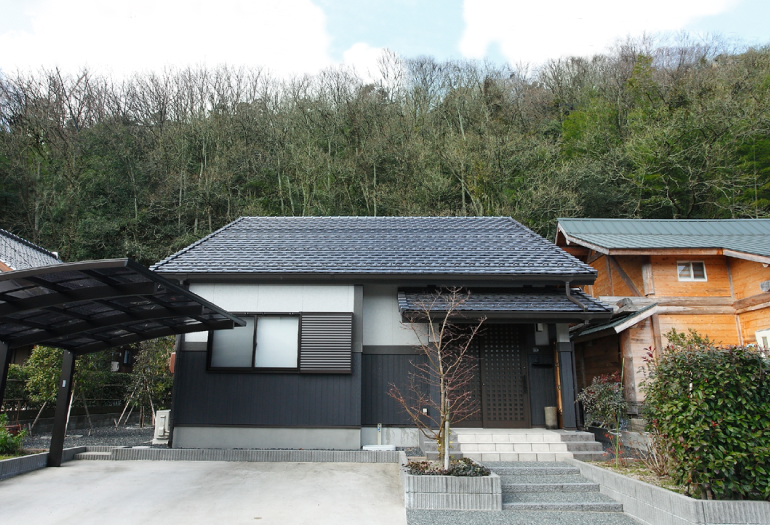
(712, 406)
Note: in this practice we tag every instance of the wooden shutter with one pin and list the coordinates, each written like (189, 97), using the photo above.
(326, 343)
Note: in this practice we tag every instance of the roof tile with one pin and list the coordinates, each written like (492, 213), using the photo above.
(375, 245)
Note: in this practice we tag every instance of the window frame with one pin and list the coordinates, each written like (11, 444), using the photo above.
(691, 279)
(253, 369)
(765, 332)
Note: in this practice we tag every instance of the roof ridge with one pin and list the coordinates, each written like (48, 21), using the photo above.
(196, 243)
(28, 243)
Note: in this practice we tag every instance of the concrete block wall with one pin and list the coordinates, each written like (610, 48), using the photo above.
(656, 506)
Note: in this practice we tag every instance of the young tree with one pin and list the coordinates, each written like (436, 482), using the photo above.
(151, 380)
(441, 383)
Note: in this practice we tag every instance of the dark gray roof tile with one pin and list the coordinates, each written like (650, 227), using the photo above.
(20, 254)
(485, 246)
(525, 300)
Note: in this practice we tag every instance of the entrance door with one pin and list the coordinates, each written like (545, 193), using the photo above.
(500, 383)
(504, 381)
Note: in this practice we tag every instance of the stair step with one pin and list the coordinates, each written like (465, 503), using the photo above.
(570, 436)
(485, 457)
(553, 483)
(531, 468)
(514, 447)
(94, 455)
(588, 455)
(577, 501)
(584, 446)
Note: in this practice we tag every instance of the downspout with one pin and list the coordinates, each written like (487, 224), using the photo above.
(573, 298)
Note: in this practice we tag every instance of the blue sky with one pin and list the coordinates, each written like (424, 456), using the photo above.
(302, 36)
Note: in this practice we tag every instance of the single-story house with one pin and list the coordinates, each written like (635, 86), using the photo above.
(326, 300)
(712, 276)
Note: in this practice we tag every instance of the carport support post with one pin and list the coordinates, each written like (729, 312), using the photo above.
(62, 404)
(5, 362)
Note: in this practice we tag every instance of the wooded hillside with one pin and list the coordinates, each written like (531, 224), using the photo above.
(98, 168)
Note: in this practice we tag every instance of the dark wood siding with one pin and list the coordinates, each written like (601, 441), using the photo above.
(378, 372)
(301, 400)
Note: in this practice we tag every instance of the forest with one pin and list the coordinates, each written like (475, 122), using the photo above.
(95, 167)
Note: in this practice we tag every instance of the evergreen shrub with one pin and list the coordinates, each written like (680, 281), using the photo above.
(711, 406)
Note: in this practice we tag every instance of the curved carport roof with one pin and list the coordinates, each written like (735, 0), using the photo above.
(89, 306)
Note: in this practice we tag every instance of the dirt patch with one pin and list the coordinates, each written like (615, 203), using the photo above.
(636, 469)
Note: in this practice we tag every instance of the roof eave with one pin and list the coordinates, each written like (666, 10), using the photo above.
(575, 279)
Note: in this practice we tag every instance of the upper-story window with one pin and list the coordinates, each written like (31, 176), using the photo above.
(691, 270)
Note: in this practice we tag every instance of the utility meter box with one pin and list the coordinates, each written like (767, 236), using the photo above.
(162, 429)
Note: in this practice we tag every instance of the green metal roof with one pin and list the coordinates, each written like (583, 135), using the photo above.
(751, 236)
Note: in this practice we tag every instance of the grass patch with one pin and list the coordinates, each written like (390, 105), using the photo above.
(636, 469)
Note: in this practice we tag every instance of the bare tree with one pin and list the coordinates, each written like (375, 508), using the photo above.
(442, 382)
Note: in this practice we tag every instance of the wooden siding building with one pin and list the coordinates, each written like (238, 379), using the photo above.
(711, 276)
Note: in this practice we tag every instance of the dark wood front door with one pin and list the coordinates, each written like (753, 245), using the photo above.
(501, 383)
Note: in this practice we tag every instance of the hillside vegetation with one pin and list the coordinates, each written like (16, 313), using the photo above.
(94, 167)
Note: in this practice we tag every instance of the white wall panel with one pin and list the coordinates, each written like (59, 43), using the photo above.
(382, 320)
(277, 298)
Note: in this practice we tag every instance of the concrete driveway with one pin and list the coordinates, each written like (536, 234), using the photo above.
(147, 492)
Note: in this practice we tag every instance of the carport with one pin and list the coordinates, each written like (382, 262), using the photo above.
(90, 306)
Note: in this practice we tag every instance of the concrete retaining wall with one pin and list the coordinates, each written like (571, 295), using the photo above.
(656, 506)
(15, 466)
(451, 492)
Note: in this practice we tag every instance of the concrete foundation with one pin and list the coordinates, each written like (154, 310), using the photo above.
(265, 438)
(396, 436)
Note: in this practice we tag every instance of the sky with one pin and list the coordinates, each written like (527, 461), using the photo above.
(293, 37)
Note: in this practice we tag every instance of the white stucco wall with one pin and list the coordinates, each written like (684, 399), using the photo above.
(271, 298)
(382, 320)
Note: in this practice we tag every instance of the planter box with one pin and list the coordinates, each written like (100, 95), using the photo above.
(15, 466)
(657, 506)
(452, 492)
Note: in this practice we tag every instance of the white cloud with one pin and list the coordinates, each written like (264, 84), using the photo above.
(136, 35)
(364, 59)
(535, 32)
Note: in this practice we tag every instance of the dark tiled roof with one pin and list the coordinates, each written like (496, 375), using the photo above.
(484, 246)
(20, 254)
(547, 300)
(741, 235)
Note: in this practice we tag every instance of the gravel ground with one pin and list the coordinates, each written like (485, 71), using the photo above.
(129, 436)
(463, 517)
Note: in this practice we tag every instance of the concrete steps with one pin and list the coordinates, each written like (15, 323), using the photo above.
(578, 502)
(533, 444)
(549, 486)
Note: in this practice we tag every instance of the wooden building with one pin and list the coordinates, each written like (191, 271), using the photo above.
(711, 276)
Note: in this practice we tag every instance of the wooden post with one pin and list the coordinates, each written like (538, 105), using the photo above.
(62, 403)
(5, 362)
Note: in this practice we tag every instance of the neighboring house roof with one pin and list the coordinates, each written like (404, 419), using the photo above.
(424, 246)
(734, 237)
(20, 254)
(528, 300)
